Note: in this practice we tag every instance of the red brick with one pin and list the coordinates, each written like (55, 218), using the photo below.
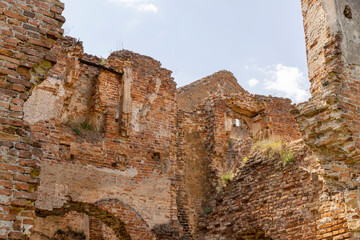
(24, 195)
(18, 88)
(16, 16)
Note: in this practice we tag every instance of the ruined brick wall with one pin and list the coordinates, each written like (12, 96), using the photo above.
(329, 120)
(29, 29)
(329, 126)
(222, 82)
(72, 223)
(194, 186)
(107, 133)
(269, 115)
(267, 199)
(101, 141)
(280, 120)
(217, 135)
(241, 119)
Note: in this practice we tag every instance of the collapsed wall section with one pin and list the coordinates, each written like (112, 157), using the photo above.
(107, 136)
(29, 29)
(101, 136)
(239, 120)
(217, 135)
(267, 200)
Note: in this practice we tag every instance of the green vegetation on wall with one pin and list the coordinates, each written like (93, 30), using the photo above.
(274, 146)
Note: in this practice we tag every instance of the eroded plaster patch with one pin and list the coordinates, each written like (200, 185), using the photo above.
(46, 102)
(61, 182)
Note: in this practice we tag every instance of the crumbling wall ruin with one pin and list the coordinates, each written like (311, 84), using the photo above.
(102, 143)
(222, 82)
(96, 148)
(217, 135)
(329, 120)
(267, 197)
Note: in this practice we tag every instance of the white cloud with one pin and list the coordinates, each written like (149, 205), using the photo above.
(289, 80)
(279, 80)
(147, 7)
(253, 82)
(140, 5)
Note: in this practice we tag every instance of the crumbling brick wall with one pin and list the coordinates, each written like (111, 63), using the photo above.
(241, 119)
(215, 137)
(195, 174)
(329, 120)
(107, 131)
(269, 199)
(222, 82)
(102, 140)
(29, 29)
(333, 68)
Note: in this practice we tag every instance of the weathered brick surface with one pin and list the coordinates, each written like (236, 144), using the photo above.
(241, 119)
(110, 147)
(91, 227)
(29, 29)
(91, 141)
(191, 95)
(268, 197)
(329, 120)
(217, 135)
(194, 172)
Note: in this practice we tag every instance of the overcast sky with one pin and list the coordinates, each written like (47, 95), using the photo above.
(262, 42)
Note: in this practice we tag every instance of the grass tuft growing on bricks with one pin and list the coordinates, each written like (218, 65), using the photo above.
(274, 146)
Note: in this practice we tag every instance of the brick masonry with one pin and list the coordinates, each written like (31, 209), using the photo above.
(109, 148)
(29, 29)
(109, 132)
(328, 123)
(267, 199)
(217, 135)
(329, 120)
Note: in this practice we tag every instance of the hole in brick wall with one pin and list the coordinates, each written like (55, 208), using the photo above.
(160, 165)
(348, 12)
(64, 152)
(156, 156)
(315, 213)
(237, 122)
(240, 129)
(121, 161)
